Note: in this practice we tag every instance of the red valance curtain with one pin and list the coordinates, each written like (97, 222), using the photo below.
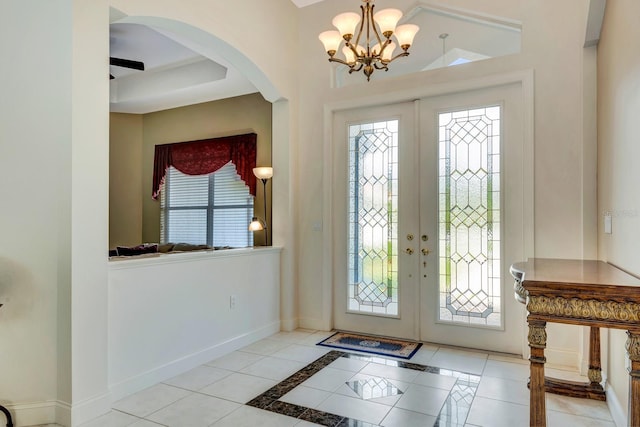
(207, 156)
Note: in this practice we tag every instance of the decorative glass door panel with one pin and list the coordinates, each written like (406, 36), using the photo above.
(472, 209)
(373, 218)
(469, 216)
(375, 269)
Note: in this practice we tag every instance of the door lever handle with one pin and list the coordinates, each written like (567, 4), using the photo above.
(409, 251)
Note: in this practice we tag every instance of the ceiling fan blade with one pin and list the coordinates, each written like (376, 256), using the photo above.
(127, 63)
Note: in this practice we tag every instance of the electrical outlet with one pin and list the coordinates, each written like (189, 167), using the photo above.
(232, 302)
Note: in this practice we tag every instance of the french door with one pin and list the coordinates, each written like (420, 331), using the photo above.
(428, 217)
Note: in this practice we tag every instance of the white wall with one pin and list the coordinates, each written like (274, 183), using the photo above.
(618, 172)
(552, 45)
(35, 158)
(54, 217)
(171, 313)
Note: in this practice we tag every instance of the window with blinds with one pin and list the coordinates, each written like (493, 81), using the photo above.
(213, 209)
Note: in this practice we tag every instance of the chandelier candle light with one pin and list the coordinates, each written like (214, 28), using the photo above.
(376, 51)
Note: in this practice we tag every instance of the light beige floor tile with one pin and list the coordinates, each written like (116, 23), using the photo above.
(503, 389)
(390, 372)
(273, 368)
(348, 364)
(238, 387)
(509, 358)
(426, 400)
(301, 353)
(198, 378)
(150, 400)
(359, 409)
(458, 361)
(306, 396)
(402, 418)
(248, 416)
(328, 379)
(428, 379)
(506, 370)
(583, 407)
(112, 419)
(235, 361)
(145, 423)
(496, 413)
(468, 352)
(293, 336)
(315, 338)
(266, 347)
(424, 355)
(560, 419)
(194, 411)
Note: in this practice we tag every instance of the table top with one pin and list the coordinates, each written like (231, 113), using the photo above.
(571, 271)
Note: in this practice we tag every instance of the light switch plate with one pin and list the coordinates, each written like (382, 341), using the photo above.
(607, 224)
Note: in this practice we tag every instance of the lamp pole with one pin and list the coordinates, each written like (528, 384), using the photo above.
(264, 195)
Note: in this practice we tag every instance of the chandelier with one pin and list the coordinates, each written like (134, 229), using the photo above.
(369, 50)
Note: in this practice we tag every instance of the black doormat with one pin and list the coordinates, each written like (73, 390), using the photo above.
(371, 344)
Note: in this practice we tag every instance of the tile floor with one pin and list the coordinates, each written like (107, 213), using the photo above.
(301, 384)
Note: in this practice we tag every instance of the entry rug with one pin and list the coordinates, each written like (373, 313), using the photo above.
(372, 344)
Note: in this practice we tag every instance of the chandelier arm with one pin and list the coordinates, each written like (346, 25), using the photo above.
(386, 43)
(400, 55)
(353, 49)
(383, 67)
(362, 19)
(375, 30)
(340, 61)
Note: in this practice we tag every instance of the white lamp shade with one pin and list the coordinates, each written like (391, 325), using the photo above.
(350, 57)
(263, 172)
(388, 51)
(405, 34)
(346, 22)
(331, 40)
(256, 224)
(387, 19)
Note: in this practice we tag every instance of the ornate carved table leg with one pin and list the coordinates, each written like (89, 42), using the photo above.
(633, 350)
(595, 369)
(537, 344)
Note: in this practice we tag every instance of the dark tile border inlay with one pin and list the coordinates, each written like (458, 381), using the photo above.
(453, 413)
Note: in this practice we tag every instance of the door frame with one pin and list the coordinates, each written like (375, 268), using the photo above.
(526, 80)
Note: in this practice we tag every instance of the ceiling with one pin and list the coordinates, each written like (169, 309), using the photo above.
(175, 75)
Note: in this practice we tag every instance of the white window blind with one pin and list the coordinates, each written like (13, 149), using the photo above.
(213, 209)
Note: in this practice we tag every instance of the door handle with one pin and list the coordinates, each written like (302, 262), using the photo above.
(409, 251)
(425, 251)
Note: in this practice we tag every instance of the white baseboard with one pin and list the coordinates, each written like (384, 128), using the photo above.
(315, 324)
(289, 325)
(89, 409)
(38, 413)
(618, 411)
(63, 414)
(178, 366)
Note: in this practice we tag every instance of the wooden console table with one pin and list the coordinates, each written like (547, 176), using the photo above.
(577, 292)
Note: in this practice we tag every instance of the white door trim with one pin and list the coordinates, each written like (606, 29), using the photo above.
(524, 77)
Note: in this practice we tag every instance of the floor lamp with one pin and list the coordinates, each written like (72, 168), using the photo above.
(263, 173)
